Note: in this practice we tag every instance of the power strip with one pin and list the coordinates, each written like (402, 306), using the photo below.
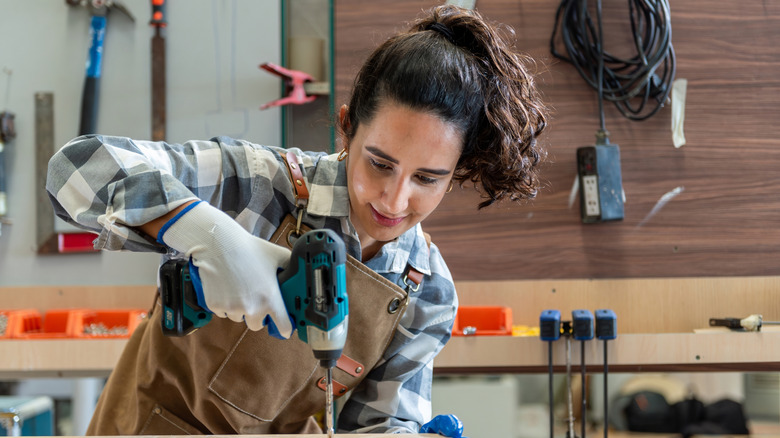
(601, 186)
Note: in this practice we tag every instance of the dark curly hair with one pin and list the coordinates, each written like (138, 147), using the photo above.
(454, 64)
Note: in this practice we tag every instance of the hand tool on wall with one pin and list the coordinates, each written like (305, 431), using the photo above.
(48, 240)
(582, 330)
(314, 290)
(566, 331)
(91, 93)
(158, 22)
(606, 330)
(7, 133)
(550, 331)
(752, 323)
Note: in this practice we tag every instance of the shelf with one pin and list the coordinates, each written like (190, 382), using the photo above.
(712, 351)
(59, 358)
(732, 351)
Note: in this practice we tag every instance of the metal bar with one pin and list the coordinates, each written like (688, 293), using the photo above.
(45, 236)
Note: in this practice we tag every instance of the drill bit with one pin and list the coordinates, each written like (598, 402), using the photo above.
(329, 403)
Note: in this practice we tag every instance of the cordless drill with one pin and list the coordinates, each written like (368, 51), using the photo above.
(314, 289)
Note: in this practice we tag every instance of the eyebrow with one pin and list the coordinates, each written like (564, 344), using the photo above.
(384, 156)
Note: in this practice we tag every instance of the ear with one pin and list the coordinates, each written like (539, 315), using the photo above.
(343, 125)
(343, 120)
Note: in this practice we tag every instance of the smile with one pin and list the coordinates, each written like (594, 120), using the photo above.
(384, 220)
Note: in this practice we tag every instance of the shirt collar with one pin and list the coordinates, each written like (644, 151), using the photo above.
(410, 248)
(328, 194)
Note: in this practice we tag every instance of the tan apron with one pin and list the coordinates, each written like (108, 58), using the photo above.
(226, 379)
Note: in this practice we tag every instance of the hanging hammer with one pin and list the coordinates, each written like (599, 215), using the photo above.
(90, 96)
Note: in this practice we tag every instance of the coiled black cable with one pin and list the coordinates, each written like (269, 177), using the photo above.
(638, 86)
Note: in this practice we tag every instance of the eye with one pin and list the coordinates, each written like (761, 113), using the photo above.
(377, 165)
(427, 180)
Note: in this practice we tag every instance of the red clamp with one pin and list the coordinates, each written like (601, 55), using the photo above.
(294, 80)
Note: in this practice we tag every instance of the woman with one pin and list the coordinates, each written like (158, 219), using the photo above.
(445, 102)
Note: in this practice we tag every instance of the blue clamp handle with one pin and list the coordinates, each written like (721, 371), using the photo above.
(582, 324)
(606, 324)
(550, 325)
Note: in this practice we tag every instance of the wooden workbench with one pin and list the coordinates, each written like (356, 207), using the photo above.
(656, 323)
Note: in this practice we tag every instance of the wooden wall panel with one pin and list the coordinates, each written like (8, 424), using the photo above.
(726, 220)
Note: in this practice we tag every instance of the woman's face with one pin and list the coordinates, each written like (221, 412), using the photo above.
(398, 169)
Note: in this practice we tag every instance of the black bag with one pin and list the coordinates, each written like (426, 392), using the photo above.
(649, 411)
(719, 418)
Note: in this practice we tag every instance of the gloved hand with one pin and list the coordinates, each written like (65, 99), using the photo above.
(446, 425)
(237, 270)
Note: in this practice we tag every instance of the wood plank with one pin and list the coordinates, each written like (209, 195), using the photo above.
(731, 351)
(628, 353)
(59, 358)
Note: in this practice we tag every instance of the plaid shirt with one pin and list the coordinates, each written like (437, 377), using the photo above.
(111, 185)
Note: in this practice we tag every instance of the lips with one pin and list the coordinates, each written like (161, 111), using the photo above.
(384, 220)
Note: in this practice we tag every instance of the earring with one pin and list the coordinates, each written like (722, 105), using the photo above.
(449, 189)
(343, 154)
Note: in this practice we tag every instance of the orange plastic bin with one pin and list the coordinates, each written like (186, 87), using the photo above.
(111, 323)
(483, 321)
(14, 319)
(54, 324)
(75, 324)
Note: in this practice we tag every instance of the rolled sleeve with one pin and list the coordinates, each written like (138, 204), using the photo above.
(112, 185)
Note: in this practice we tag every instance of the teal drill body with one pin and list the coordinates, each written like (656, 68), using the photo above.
(313, 287)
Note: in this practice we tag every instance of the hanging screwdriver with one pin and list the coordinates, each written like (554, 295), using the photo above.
(582, 329)
(550, 331)
(606, 330)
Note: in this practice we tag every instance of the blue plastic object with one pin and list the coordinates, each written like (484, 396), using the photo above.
(550, 325)
(445, 425)
(606, 324)
(26, 416)
(97, 32)
(582, 324)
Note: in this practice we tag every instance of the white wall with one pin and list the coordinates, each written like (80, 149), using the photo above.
(214, 87)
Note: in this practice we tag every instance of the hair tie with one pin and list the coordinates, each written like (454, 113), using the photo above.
(443, 30)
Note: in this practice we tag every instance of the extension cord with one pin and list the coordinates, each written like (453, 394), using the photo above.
(601, 185)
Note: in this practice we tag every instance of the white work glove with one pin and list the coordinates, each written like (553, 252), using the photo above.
(237, 270)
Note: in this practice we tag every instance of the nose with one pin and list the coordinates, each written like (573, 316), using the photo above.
(395, 198)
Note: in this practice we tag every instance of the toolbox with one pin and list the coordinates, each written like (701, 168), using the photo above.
(483, 321)
(26, 416)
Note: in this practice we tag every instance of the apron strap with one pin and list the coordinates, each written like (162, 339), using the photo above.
(300, 190)
(296, 176)
(412, 277)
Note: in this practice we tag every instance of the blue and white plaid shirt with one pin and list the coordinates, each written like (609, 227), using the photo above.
(112, 185)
